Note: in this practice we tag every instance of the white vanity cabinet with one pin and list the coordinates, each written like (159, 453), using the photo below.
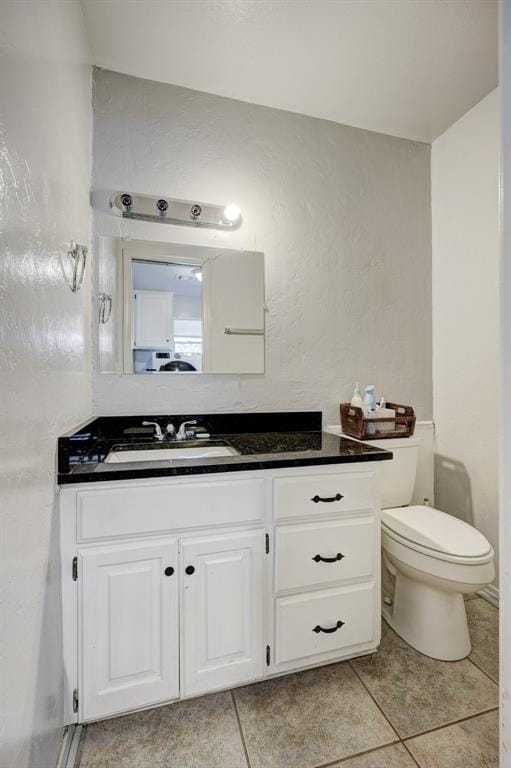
(222, 610)
(177, 586)
(129, 625)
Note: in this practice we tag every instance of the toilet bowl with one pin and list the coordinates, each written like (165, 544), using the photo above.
(430, 560)
(434, 560)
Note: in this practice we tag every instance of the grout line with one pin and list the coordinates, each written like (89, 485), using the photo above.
(240, 728)
(340, 760)
(405, 745)
(496, 682)
(436, 728)
(387, 718)
(451, 722)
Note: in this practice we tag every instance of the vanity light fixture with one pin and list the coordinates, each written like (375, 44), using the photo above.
(232, 212)
(162, 206)
(167, 210)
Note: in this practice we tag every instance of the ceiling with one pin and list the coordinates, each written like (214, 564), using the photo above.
(153, 276)
(408, 68)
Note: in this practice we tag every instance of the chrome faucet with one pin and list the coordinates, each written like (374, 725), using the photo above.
(181, 435)
(158, 434)
(170, 430)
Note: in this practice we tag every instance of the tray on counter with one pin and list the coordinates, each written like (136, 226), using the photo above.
(355, 424)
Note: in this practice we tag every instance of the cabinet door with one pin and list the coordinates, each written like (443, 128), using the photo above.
(153, 326)
(222, 610)
(129, 626)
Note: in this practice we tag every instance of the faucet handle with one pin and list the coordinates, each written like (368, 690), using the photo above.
(157, 429)
(181, 435)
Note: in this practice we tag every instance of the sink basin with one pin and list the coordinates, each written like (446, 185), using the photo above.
(168, 453)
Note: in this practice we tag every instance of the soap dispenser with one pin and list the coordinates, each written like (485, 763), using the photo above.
(369, 400)
(356, 400)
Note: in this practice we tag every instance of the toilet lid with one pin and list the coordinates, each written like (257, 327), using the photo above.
(436, 530)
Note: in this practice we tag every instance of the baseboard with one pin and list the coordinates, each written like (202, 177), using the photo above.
(491, 594)
(70, 745)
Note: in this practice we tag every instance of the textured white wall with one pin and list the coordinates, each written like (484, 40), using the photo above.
(505, 389)
(342, 214)
(45, 148)
(466, 366)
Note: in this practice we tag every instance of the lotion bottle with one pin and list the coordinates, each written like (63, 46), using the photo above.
(356, 400)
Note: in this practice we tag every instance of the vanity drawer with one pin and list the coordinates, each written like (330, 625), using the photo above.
(323, 494)
(302, 619)
(312, 554)
(146, 509)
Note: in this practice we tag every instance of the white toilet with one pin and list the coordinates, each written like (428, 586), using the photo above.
(432, 559)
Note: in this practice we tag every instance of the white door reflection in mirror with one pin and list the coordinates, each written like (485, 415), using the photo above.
(167, 316)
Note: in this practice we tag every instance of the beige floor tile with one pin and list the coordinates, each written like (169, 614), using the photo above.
(418, 693)
(200, 733)
(310, 718)
(471, 744)
(394, 756)
(483, 620)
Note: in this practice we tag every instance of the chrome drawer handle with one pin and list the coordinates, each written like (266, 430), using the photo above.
(321, 559)
(328, 630)
(337, 497)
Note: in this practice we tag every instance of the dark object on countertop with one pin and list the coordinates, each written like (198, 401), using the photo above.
(177, 365)
(355, 424)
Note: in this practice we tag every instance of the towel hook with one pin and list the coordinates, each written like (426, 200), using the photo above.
(78, 256)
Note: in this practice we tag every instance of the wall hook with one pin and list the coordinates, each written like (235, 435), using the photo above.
(78, 256)
(105, 307)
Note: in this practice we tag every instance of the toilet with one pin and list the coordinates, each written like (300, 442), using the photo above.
(430, 560)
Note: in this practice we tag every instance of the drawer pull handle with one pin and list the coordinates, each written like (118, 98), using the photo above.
(169, 571)
(337, 497)
(189, 570)
(321, 559)
(328, 630)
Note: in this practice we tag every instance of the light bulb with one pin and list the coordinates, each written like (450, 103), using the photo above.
(231, 212)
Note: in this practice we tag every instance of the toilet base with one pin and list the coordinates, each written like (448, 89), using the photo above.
(431, 620)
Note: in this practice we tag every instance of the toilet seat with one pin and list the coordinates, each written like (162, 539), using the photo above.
(436, 534)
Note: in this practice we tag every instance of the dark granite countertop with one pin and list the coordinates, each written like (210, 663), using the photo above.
(262, 441)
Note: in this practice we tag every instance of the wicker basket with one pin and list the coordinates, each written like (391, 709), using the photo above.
(355, 424)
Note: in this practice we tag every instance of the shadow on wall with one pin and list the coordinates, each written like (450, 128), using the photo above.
(453, 490)
(45, 745)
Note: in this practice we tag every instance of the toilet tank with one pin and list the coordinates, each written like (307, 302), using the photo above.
(398, 475)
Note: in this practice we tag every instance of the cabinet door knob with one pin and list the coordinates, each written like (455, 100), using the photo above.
(328, 630)
(189, 570)
(169, 571)
(321, 559)
(316, 499)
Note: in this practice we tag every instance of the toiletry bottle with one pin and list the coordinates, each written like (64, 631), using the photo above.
(369, 400)
(356, 400)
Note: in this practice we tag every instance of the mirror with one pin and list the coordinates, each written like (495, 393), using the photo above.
(168, 308)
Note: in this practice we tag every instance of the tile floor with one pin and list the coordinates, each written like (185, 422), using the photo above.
(395, 709)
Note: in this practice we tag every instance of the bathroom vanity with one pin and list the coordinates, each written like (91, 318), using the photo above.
(189, 575)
